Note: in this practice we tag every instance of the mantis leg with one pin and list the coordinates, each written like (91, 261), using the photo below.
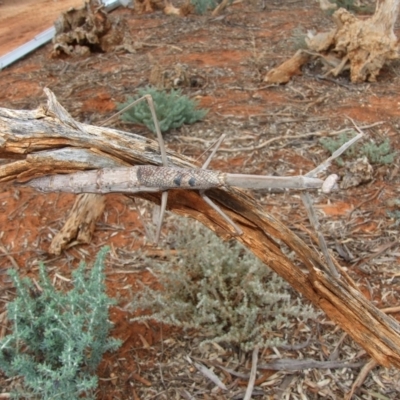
(163, 152)
(220, 212)
(160, 139)
(216, 147)
(207, 199)
(164, 198)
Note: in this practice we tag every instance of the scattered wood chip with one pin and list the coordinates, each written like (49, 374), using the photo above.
(361, 377)
(357, 173)
(208, 373)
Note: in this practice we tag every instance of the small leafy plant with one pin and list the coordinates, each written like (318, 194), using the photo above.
(173, 109)
(376, 154)
(352, 6)
(298, 39)
(221, 290)
(58, 339)
(355, 7)
(395, 214)
(332, 145)
(202, 6)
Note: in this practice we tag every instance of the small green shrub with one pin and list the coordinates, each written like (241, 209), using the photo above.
(376, 154)
(352, 6)
(173, 109)
(220, 289)
(332, 145)
(396, 213)
(298, 39)
(202, 6)
(58, 339)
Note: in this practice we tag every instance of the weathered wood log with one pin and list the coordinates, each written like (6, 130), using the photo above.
(68, 145)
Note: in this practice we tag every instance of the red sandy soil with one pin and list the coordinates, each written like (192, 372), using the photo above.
(22, 20)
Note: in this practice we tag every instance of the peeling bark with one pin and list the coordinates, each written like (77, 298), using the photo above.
(81, 222)
(25, 134)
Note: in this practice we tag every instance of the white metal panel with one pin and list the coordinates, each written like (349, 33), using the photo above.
(42, 39)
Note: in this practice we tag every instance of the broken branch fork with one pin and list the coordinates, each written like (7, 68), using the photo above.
(149, 178)
(25, 134)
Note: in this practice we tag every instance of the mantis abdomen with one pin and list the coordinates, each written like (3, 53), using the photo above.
(141, 178)
(149, 178)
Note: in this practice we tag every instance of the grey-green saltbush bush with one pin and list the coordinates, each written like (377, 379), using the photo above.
(173, 109)
(58, 339)
(202, 6)
(220, 289)
(376, 154)
(352, 6)
(298, 39)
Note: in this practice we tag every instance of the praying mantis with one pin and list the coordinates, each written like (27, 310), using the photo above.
(150, 178)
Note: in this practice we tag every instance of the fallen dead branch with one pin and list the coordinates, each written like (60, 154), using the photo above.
(253, 374)
(298, 365)
(284, 72)
(47, 140)
(361, 46)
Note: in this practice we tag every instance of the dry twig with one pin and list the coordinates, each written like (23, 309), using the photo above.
(253, 374)
(361, 377)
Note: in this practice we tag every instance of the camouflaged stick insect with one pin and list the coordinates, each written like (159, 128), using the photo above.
(150, 178)
(163, 178)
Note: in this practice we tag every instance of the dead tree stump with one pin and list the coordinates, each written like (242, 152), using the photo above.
(362, 46)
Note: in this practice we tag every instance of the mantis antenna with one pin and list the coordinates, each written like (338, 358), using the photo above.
(164, 159)
(150, 102)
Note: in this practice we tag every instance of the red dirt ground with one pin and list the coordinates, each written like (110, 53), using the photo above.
(22, 20)
(231, 53)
